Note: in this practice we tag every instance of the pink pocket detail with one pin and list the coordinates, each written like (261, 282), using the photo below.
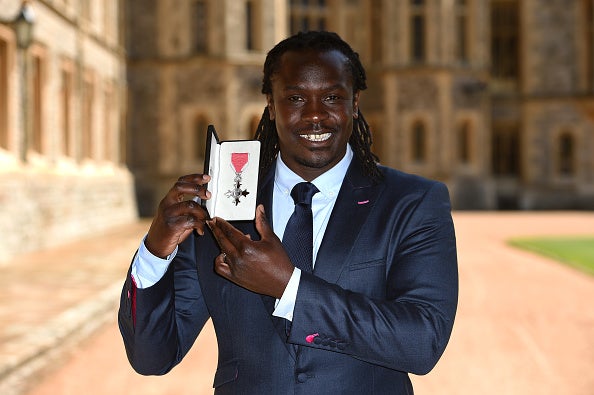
(310, 338)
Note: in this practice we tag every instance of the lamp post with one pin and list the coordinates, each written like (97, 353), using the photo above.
(23, 27)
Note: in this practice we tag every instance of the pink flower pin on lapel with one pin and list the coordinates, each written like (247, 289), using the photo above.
(310, 338)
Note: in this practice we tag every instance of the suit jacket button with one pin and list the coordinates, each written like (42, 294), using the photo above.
(302, 377)
(317, 340)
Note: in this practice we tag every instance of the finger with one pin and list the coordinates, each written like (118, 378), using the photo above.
(222, 266)
(193, 182)
(187, 188)
(233, 234)
(226, 235)
(262, 225)
(181, 192)
(189, 208)
(187, 215)
(195, 178)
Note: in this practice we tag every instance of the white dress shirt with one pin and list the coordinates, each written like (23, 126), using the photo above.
(148, 269)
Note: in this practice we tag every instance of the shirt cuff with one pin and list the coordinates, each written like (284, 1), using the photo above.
(148, 269)
(286, 304)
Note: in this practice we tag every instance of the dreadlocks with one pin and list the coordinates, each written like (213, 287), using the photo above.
(322, 41)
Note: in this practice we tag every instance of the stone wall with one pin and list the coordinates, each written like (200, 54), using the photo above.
(45, 208)
(65, 179)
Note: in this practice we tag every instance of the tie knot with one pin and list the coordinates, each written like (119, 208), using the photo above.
(303, 192)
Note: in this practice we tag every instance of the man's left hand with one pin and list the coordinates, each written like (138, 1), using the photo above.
(261, 266)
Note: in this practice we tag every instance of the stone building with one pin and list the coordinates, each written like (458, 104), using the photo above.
(62, 140)
(542, 85)
(493, 97)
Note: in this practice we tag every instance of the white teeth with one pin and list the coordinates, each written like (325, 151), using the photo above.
(316, 137)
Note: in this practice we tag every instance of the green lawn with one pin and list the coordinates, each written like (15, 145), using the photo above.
(574, 251)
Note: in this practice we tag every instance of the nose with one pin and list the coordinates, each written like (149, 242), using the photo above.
(314, 112)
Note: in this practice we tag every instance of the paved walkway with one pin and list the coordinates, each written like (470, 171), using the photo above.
(51, 300)
(525, 323)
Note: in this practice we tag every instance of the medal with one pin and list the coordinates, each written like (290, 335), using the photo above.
(239, 161)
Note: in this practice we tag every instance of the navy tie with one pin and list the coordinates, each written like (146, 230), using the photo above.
(298, 236)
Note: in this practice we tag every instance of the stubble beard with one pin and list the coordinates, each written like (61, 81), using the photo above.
(319, 160)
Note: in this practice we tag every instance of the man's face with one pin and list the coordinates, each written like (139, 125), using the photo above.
(313, 105)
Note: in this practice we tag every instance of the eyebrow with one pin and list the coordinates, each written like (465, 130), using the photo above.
(331, 87)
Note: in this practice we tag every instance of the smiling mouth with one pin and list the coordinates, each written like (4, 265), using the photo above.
(317, 138)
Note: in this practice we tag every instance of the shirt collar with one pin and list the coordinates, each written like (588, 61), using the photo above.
(328, 183)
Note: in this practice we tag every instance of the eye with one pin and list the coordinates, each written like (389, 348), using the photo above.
(295, 99)
(332, 98)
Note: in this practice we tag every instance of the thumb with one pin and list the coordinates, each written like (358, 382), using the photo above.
(262, 225)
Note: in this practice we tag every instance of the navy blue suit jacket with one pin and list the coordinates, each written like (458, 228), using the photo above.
(380, 303)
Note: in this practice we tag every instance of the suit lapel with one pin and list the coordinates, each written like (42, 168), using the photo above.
(265, 198)
(355, 200)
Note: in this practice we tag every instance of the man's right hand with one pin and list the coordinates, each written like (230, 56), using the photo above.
(178, 215)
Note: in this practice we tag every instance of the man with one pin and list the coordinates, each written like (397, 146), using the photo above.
(381, 297)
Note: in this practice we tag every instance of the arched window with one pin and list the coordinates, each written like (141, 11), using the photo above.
(199, 135)
(66, 94)
(252, 25)
(199, 15)
(109, 126)
(588, 13)
(88, 115)
(3, 94)
(38, 83)
(505, 39)
(506, 149)
(464, 142)
(462, 35)
(566, 155)
(418, 33)
(308, 15)
(377, 31)
(419, 142)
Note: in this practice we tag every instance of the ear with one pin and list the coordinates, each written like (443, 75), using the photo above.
(356, 104)
(270, 104)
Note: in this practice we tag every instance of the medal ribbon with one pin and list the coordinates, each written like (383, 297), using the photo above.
(239, 160)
